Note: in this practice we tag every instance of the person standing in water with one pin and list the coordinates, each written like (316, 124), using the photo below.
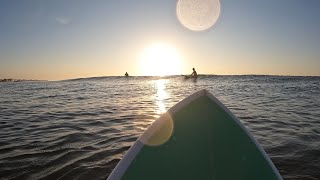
(126, 74)
(194, 73)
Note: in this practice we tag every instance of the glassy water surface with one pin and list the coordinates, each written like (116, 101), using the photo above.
(80, 129)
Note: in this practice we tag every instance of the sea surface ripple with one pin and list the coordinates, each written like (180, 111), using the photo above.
(80, 129)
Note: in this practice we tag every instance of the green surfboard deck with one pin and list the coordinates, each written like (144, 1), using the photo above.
(199, 138)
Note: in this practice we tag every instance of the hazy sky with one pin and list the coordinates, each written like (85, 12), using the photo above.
(62, 39)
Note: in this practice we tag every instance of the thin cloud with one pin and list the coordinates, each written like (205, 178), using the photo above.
(63, 20)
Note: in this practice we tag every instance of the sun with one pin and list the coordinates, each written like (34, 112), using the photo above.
(160, 59)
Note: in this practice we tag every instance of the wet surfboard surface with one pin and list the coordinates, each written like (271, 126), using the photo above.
(198, 138)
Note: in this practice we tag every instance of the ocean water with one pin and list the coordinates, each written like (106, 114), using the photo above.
(80, 129)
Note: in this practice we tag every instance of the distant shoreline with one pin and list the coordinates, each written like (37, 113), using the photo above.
(18, 80)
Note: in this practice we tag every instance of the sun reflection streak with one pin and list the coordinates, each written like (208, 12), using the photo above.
(161, 95)
(161, 130)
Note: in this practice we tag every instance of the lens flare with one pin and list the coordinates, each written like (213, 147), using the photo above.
(159, 132)
(198, 15)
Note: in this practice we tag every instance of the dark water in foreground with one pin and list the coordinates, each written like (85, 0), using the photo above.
(80, 129)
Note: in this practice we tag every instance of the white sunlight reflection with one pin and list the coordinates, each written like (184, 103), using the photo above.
(161, 95)
(162, 129)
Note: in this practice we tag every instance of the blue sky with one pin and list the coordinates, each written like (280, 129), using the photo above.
(42, 39)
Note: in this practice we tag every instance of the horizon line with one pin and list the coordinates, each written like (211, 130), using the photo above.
(23, 79)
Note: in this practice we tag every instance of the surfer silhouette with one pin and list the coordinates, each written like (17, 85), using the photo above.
(126, 74)
(194, 73)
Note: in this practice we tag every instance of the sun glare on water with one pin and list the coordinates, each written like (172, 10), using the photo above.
(160, 59)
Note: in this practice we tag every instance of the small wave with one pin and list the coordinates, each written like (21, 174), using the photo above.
(81, 128)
